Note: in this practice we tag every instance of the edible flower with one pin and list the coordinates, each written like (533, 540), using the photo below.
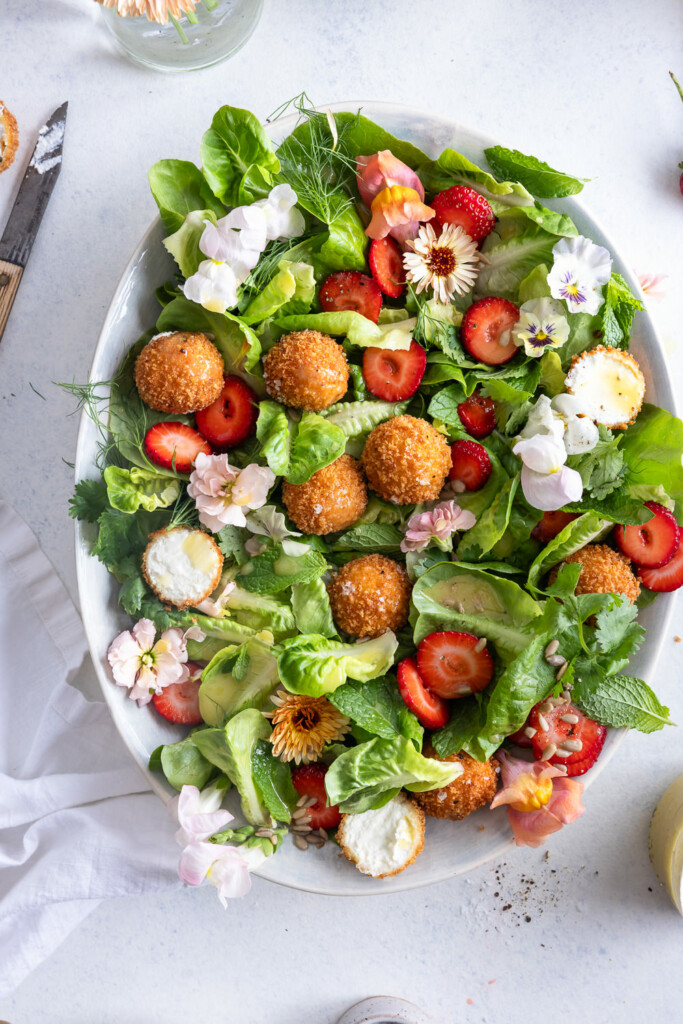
(216, 603)
(541, 325)
(268, 522)
(222, 492)
(540, 798)
(213, 285)
(579, 271)
(283, 220)
(397, 211)
(563, 419)
(146, 667)
(198, 813)
(226, 867)
(154, 10)
(654, 285)
(239, 238)
(438, 525)
(448, 264)
(382, 170)
(546, 482)
(302, 726)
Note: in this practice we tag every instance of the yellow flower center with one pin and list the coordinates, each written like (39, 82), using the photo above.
(541, 336)
(441, 261)
(572, 289)
(535, 793)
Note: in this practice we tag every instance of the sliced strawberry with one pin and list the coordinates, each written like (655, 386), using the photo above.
(393, 374)
(486, 330)
(431, 711)
(309, 780)
(231, 418)
(466, 207)
(667, 578)
(179, 702)
(652, 544)
(349, 289)
(454, 664)
(550, 524)
(386, 263)
(174, 446)
(478, 415)
(520, 738)
(471, 465)
(585, 733)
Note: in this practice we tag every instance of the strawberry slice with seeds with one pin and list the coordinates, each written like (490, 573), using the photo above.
(179, 702)
(550, 524)
(349, 289)
(478, 415)
(454, 664)
(309, 780)
(486, 330)
(520, 738)
(464, 206)
(667, 578)
(471, 465)
(564, 735)
(431, 710)
(174, 445)
(394, 375)
(386, 264)
(654, 543)
(231, 419)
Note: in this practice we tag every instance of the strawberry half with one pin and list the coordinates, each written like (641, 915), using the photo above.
(464, 206)
(231, 418)
(581, 731)
(174, 446)
(667, 578)
(471, 465)
(454, 664)
(349, 289)
(386, 264)
(309, 780)
(394, 375)
(431, 710)
(478, 415)
(486, 330)
(652, 544)
(179, 702)
(550, 524)
(520, 738)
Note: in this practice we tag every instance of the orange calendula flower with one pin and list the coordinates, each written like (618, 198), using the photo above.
(397, 211)
(303, 725)
(540, 798)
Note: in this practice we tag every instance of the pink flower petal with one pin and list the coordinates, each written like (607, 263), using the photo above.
(144, 632)
(397, 211)
(532, 828)
(376, 172)
(195, 861)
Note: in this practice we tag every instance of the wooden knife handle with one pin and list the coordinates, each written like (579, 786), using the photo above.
(10, 276)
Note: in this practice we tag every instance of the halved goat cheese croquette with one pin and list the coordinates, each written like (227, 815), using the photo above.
(406, 460)
(179, 372)
(306, 370)
(610, 385)
(384, 842)
(182, 566)
(475, 788)
(603, 571)
(334, 498)
(370, 595)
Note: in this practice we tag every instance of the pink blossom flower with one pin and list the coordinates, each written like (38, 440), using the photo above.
(654, 285)
(216, 606)
(397, 211)
(224, 866)
(383, 169)
(222, 492)
(444, 520)
(540, 798)
(146, 667)
(198, 813)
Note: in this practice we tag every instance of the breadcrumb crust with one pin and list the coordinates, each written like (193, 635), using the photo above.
(179, 372)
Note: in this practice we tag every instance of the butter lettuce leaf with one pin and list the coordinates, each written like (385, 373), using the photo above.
(316, 665)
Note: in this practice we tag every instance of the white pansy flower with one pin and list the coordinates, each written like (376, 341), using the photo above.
(546, 482)
(199, 813)
(283, 220)
(581, 434)
(543, 420)
(541, 325)
(579, 271)
(268, 522)
(238, 239)
(213, 286)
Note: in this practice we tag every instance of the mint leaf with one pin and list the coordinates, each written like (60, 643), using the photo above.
(467, 718)
(378, 708)
(621, 701)
(273, 571)
(618, 312)
(88, 501)
(536, 176)
(370, 537)
(273, 780)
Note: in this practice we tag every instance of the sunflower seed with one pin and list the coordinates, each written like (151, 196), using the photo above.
(301, 830)
(561, 768)
(548, 752)
(566, 695)
(264, 833)
(561, 671)
(303, 813)
(556, 660)
(556, 702)
(300, 843)
(530, 732)
(573, 746)
(322, 833)
(273, 840)
(545, 707)
(543, 723)
(561, 752)
(570, 719)
(551, 648)
(480, 645)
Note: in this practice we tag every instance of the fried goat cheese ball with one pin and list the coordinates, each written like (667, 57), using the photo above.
(603, 571)
(406, 460)
(370, 595)
(179, 372)
(182, 566)
(306, 370)
(386, 841)
(475, 788)
(334, 498)
(609, 384)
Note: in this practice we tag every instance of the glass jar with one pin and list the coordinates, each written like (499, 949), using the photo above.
(207, 37)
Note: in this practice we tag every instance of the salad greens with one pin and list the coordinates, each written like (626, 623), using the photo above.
(268, 633)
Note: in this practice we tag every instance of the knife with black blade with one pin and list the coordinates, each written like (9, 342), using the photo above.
(29, 207)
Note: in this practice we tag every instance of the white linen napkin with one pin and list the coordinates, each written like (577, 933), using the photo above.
(78, 822)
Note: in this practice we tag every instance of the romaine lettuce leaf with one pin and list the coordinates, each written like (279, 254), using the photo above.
(358, 418)
(537, 176)
(587, 529)
(652, 449)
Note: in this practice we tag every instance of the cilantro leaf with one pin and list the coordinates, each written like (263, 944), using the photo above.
(88, 501)
(621, 701)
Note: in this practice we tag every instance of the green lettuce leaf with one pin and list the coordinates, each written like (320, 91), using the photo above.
(179, 188)
(184, 765)
(312, 610)
(315, 665)
(237, 157)
(652, 449)
(237, 678)
(490, 526)
(355, 327)
(358, 418)
(370, 537)
(134, 488)
(317, 443)
(538, 177)
(231, 749)
(511, 255)
(183, 244)
(290, 290)
(275, 430)
(587, 529)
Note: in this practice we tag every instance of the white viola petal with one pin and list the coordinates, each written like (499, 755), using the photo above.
(268, 522)
(195, 862)
(541, 453)
(567, 405)
(549, 491)
(213, 286)
(581, 435)
(295, 548)
(252, 486)
(229, 873)
(543, 420)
